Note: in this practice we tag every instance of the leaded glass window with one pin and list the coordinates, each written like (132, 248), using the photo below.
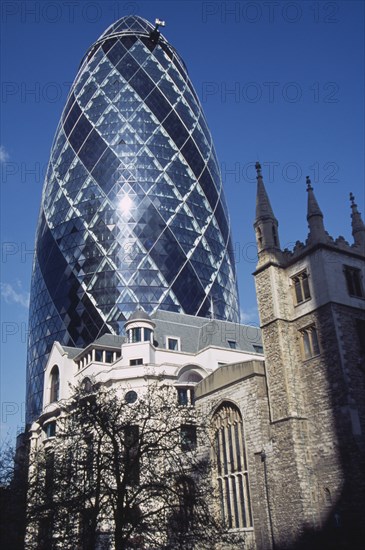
(230, 470)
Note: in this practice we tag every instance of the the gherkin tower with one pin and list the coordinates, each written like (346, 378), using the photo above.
(133, 212)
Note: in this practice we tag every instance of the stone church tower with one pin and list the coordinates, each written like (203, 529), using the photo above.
(312, 314)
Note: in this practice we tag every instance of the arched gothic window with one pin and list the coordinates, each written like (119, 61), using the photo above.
(231, 467)
(55, 384)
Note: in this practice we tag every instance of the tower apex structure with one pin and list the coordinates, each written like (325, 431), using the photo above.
(266, 225)
(357, 224)
(317, 232)
(133, 212)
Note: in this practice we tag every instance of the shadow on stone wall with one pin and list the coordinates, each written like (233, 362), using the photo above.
(343, 526)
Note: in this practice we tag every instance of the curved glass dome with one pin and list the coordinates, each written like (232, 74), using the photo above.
(133, 212)
(130, 23)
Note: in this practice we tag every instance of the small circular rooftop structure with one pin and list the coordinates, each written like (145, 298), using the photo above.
(139, 327)
(139, 315)
(129, 24)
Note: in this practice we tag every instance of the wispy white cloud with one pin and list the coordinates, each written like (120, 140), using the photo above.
(4, 155)
(250, 316)
(13, 295)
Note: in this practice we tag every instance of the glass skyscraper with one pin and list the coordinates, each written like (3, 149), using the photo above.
(133, 212)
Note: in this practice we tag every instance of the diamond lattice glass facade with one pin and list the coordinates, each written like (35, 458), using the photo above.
(133, 212)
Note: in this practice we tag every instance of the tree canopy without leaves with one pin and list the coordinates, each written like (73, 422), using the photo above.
(120, 474)
(13, 487)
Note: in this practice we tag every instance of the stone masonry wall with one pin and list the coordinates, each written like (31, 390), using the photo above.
(250, 396)
(315, 459)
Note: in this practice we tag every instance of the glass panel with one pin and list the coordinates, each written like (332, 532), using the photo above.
(242, 501)
(238, 441)
(116, 53)
(305, 286)
(135, 335)
(230, 446)
(235, 501)
(188, 437)
(298, 290)
(108, 356)
(141, 83)
(228, 429)
(98, 355)
(55, 384)
(315, 344)
(51, 429)
(306, 344)
(172, 344)
(228, 502)
(182, 396)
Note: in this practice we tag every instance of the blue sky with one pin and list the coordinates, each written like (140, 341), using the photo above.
(282, 82)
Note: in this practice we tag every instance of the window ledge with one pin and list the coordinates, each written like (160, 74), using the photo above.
(303, 302)
(312, 357)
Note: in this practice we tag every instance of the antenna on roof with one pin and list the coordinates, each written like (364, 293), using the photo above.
(155, 34)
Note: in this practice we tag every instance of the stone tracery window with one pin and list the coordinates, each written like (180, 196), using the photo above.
(309, 342)
(231, 467)
(353, 280)
(301, 287)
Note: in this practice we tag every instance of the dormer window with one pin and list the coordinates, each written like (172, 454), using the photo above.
(55, 384)
(258, 349)
(173, 344)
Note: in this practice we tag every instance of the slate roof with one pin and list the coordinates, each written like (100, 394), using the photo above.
(110, 340)
(195, 334)
(71, 352)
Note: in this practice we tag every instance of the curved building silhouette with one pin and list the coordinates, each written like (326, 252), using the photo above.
(133, 213)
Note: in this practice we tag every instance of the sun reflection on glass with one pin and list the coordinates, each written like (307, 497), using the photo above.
(125, 204)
